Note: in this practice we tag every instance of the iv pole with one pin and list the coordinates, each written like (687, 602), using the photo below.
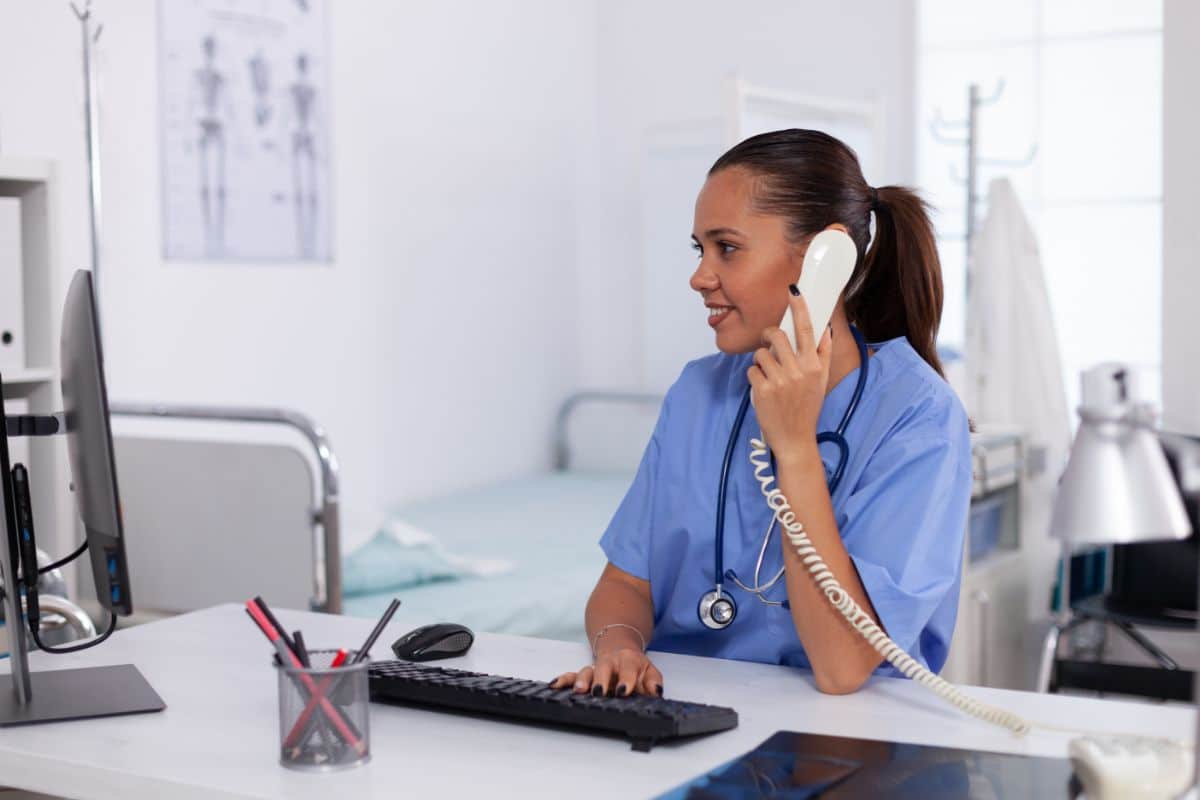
(92, 130)
(63, 694)
(19, 706)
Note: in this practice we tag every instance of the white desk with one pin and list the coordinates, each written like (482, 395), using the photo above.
(219, 734)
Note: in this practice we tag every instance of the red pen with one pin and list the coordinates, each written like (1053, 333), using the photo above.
(270, 617)
(301, 725)
(289, 657)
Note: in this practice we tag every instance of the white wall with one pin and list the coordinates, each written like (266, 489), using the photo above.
(486, 181)
(436, 347)
(665, 63)
(1181, 209)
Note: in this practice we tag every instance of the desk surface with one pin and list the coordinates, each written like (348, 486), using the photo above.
(218, 736)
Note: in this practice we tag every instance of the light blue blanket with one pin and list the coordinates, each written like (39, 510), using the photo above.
(547, 525)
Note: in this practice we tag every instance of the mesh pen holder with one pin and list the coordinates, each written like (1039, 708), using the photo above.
(323, 714)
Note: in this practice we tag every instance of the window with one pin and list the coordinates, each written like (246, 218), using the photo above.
(1083, 81)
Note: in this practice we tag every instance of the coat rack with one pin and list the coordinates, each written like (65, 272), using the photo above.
(1034, 457)
(937, 127)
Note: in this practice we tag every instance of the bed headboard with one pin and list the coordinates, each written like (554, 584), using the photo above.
(604, 431)
(260, 511)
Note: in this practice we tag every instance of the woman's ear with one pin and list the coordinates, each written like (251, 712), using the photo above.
(837, 226)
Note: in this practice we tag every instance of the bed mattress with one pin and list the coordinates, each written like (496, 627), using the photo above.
(548, 525)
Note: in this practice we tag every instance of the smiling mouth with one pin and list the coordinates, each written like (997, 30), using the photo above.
(717, 314)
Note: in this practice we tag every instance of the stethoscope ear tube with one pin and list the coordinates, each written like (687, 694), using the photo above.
(717, 609)
(843, 456)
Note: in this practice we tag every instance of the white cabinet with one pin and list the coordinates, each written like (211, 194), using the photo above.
(28, 193)
(989, 647)
(12, 292)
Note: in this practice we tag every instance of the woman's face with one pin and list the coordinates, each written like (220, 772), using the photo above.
(746, 262)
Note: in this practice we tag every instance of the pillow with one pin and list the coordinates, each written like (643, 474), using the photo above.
(401, 555)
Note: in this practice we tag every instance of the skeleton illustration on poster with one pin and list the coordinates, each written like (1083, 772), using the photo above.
(244, 105)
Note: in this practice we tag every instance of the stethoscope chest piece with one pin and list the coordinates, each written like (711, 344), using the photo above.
(717, 609)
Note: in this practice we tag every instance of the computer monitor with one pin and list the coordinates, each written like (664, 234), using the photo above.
(89, 445)
(1158, 580)
(65, 694)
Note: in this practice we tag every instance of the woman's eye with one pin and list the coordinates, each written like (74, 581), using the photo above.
(725, 248)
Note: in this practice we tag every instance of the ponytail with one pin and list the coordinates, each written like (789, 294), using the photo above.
(897, 291)
(813, 180)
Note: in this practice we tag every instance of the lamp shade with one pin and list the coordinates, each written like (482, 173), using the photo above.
(1117, 487)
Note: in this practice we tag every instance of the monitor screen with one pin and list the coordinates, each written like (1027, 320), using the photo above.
(89, 444)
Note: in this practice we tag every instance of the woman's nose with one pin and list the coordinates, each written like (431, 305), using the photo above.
(703, 280)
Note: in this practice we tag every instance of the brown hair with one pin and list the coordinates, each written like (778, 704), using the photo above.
(814, 180)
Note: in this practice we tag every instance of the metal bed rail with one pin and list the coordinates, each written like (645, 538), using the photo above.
(327, 560)
(562, 450)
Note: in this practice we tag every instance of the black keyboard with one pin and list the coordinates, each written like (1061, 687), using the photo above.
(645, 720)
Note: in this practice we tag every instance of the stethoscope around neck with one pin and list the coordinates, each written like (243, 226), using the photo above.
(717, 608)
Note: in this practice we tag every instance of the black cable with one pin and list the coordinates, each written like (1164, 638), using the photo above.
(34, 624)
(61, 561)
(30, 569)
(64, 560)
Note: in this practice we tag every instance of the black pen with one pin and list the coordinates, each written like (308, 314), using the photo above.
(379, 626)
(283, 634)
(301, 650)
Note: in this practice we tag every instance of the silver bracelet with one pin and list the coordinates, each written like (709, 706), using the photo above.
(602, 631)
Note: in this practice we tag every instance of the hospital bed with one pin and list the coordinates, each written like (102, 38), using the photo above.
(546, 525)
(222, 504)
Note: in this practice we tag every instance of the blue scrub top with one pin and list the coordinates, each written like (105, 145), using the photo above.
(901, 509)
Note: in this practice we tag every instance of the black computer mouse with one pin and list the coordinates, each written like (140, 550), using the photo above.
(429, 642)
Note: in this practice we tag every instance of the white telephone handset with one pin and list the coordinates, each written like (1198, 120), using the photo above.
(828, 265)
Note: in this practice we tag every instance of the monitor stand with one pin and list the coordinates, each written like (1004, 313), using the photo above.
(64, 694)
(53, 695)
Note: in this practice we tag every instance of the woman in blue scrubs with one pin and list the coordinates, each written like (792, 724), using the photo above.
(892, 529)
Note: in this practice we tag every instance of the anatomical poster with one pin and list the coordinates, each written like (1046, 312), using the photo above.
(245, 133)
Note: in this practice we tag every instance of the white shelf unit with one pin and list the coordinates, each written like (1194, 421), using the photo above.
(33, 184)
(20, 382)
(988, 646)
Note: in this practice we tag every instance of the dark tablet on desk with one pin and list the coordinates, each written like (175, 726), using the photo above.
(797, 766)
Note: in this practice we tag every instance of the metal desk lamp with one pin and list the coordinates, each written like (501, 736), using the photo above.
(1117, 487)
